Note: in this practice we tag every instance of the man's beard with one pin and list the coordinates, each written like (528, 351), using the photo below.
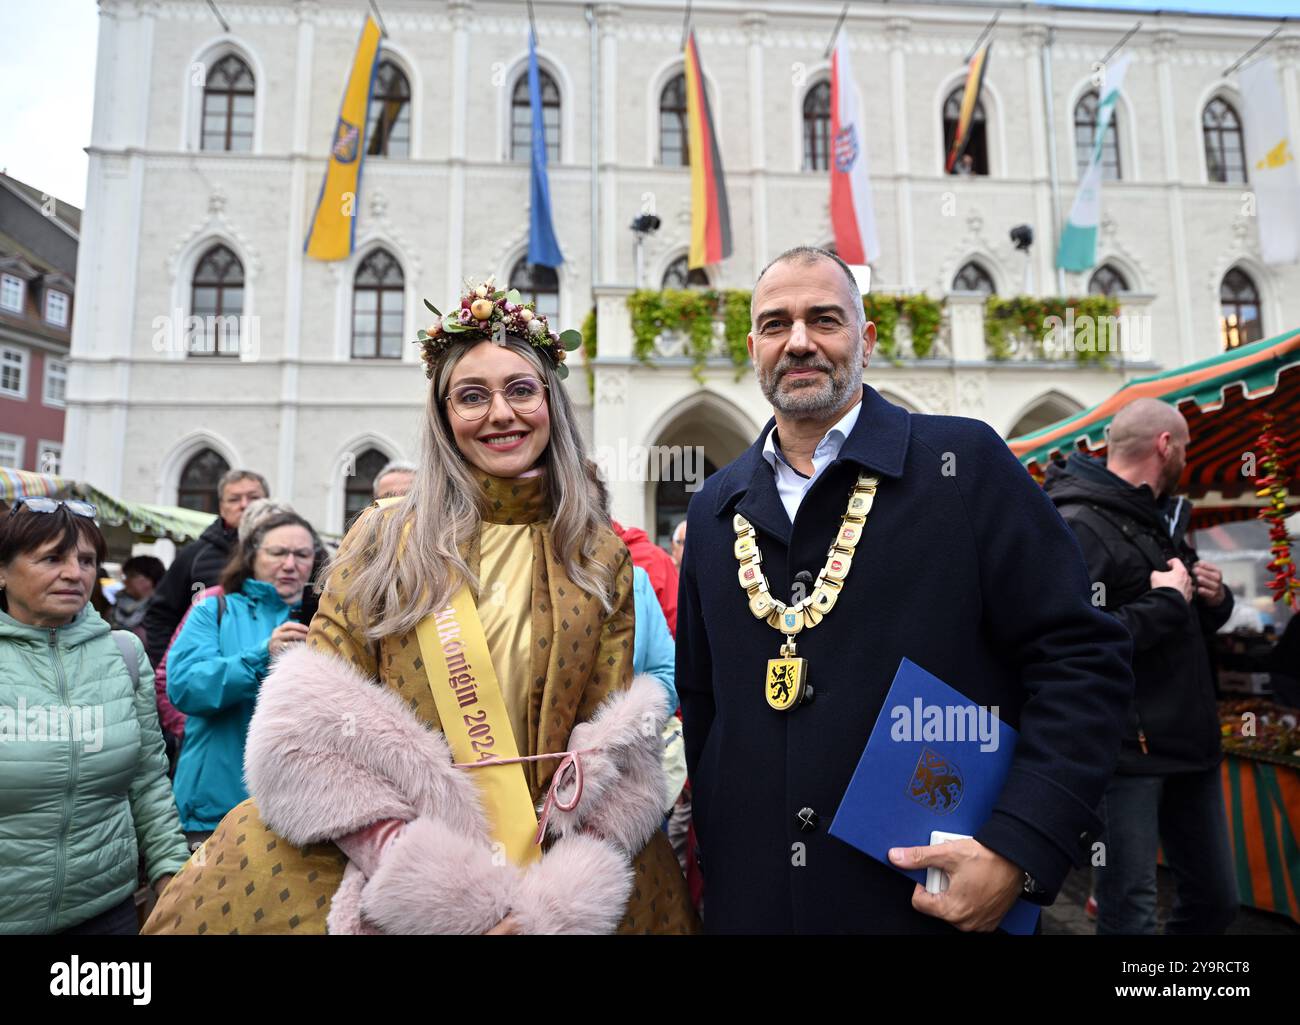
(815, 396)
(1169, 478)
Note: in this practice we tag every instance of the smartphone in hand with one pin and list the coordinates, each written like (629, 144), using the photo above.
(303, 614)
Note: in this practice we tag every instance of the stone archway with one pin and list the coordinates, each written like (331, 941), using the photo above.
(697, 440)
(1045, 410)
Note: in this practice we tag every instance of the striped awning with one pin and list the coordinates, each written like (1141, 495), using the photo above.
(1220, 398)
(146, 521)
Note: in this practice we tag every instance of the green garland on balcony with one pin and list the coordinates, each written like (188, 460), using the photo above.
(925, 315)
(693, 312)
(882, 310)
(589, 349)
(1029, 315)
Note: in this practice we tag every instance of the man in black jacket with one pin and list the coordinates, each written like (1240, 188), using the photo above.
(1167, 792)
(199, 564)
(962, 565)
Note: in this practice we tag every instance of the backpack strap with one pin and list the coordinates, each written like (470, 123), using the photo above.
(127, 650)
(1131, 530)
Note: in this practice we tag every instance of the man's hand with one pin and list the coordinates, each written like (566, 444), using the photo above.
(982, 885)
(1176, 577)
(1209, 583)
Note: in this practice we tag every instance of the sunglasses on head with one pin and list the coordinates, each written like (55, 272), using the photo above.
(40, 504)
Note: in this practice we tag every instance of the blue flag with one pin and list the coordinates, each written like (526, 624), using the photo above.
(543, 250)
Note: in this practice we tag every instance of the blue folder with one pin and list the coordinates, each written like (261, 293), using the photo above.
(935, 760)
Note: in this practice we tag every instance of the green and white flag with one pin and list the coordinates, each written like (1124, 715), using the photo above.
(1078, 250)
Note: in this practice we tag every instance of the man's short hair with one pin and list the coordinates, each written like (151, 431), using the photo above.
(392, 466)
(807, 254)
(1133, 432)
(235, 476)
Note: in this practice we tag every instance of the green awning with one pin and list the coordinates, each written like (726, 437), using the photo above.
(145, 521)
(1221, 398)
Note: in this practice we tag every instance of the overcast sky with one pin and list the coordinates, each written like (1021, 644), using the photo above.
(47, 77)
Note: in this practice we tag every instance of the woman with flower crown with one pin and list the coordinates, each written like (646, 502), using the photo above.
(459, 747)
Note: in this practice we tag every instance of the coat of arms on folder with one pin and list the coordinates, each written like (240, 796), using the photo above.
(936, 783)
(935, 761)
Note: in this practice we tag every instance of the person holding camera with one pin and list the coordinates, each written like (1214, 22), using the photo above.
(222, 654)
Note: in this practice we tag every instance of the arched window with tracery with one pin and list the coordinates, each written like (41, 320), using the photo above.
(378, 307)
(228, 106)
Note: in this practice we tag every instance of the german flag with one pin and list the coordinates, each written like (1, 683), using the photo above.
(710, 216)
(974, 82)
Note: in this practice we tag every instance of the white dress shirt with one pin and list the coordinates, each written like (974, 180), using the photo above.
(792, 485)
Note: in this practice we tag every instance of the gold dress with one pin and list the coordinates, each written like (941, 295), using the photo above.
(557, 656)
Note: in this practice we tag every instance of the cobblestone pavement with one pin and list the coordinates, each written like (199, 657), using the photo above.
(1066, 916)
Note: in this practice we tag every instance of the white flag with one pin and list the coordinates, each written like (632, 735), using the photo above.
(1078, 248)
(1271, 163)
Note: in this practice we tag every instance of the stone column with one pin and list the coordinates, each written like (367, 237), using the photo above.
(966, 323)
(459, 10)
(1164, 45)
(755, 24)
(897, 32)
(607, 21)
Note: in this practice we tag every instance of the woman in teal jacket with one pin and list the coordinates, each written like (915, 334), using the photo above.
(83, 774)
(218, 661)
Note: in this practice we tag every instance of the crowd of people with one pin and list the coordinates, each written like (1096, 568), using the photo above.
(489, 664)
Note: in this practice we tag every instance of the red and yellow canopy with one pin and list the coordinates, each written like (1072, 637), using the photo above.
(1218, 396)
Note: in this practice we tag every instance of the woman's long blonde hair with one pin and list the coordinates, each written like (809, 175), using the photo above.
(393, 582)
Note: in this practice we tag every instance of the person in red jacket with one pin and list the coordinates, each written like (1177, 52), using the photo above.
(658, 564)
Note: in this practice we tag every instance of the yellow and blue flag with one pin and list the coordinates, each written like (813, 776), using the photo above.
(333, 225)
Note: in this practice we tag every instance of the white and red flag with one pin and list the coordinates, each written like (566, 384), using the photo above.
(852, 214)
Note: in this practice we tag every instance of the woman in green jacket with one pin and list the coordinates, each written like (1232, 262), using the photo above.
(83, 776)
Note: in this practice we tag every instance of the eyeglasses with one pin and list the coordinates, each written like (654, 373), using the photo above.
(40, 504)
(472, 401)
(299, 554)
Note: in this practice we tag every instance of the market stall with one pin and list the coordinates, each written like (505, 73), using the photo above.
(1242, 409)
(124, 523)
(1261, 788)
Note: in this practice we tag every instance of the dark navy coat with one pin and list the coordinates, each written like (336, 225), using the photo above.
(964, 567)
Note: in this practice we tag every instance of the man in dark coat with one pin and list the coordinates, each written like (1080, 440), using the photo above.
(199, 564)
(963, 566)
(1167, 791)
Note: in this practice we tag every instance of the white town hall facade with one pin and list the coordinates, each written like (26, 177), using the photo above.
(208, 150)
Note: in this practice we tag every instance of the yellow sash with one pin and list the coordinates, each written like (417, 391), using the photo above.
(474, 720)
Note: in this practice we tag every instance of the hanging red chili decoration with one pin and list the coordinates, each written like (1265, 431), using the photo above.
(1271, 485)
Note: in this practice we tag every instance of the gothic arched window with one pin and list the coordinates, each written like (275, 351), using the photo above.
(977, 145)
(674, 144)
(521, 119)
(228, 95)
(388, 132)
(217, 298)
(1239, 320)
(198, 483)
(540, 285)
(1225, 151)
(378, 307)
(973, 278)
(1085, 138)
(817, 128)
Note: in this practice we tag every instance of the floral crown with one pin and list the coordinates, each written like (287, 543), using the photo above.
(487, 312)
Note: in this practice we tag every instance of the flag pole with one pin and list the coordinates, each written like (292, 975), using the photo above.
(836, 31)
(987, 29)
(686, 24)
(225, 26)
(532, 22)
(1120, 45)
(1251, 52)
(379, 19)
